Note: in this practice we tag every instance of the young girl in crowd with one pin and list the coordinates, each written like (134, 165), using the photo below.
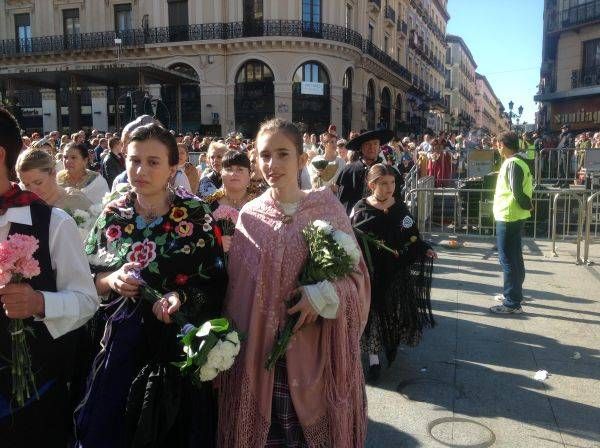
(315, 395)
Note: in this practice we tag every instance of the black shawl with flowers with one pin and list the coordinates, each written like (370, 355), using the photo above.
(400, 286)
(180, 251)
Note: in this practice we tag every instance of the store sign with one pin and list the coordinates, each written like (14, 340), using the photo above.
(480, 163)
(583, 114)
(312, 88)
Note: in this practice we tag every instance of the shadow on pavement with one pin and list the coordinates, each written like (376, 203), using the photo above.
(382, 435)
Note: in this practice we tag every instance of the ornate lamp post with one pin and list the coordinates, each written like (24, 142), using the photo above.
(512, 114)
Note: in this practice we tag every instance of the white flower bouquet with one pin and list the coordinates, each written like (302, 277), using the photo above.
(209, 350)
(332, 254)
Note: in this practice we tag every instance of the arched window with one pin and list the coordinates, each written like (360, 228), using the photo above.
(371, 105)
(386, 108)
(347, 103)
(191, 116)
(311, 101)
(254, 97)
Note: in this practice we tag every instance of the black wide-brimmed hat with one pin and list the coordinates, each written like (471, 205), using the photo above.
(383, 135)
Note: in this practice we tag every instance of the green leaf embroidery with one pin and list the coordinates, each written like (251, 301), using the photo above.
(161, 240)
(153, 267)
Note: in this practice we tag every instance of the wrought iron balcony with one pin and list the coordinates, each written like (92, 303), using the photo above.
(586, 77)
(372, 50)
(139, 38)
(575, 16)
(389, 16)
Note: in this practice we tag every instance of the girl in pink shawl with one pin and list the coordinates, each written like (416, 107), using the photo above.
(315, 395)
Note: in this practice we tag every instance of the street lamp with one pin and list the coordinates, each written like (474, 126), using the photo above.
(512, 114)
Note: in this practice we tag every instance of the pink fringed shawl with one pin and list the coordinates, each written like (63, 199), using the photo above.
(323, 360)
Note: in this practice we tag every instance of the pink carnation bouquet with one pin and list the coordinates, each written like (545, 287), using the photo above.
(17, 263)
(226, 218)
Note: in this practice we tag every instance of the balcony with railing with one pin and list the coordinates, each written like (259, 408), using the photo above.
(585, 77)
(389, 16)
(576, 16)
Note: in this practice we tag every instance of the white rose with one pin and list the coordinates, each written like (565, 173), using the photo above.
(226, 364)
(215, 357)
(346, 242)
(323, 226)
(233, 337)
(82, 214)
(228, 349)
(208, 373)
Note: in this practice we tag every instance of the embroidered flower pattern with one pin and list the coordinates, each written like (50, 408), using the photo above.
(178, 214)
(407, 222)
(143, 253)
(113, 233)
(184, 228)
(176, 250)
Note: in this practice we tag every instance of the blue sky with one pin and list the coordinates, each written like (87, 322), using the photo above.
(505, 38)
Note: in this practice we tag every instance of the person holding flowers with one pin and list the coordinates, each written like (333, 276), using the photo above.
(314, 395)
(47, 296)
(233, 195)
(151, 237)
(400, 265)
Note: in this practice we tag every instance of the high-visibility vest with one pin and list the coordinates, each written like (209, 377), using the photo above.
(506, 207)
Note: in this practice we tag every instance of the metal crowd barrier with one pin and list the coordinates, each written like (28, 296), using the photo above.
(595, 213)
(580, 216)
(556, 214)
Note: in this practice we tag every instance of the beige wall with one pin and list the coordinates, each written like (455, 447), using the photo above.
(570, 53)
(283, 55)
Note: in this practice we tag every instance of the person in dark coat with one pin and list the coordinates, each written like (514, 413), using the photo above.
(351, 182)
(113, 163)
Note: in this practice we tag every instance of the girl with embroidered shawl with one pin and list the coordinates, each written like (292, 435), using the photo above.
(401, 282)
(315, 396)
(135, 397)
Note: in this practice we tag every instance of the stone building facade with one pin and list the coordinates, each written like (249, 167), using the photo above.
(97, 63)
(487, 113)
(569, 90)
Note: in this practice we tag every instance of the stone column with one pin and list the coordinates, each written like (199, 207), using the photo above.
(49, 110)
(99, 108)
(337, 99)
(283, 100)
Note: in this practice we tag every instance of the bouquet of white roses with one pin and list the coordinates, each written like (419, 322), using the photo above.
(85, 219)
(332, 254)
(210, 349)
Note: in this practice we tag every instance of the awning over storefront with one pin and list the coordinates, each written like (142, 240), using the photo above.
(86, 75)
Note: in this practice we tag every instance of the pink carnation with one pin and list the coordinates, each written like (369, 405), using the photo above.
(24, 245)
(16, 257)
(27, 267)
(5, 278)
(224, 212)
(8, 256)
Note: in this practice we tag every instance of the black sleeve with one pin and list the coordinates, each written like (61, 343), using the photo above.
(515, 181)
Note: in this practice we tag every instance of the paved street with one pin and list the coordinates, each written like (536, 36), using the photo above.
(481, 367)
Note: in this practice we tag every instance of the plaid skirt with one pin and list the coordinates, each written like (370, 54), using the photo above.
(285, 431)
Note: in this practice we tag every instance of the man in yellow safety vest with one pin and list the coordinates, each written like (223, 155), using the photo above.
(512, 207)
